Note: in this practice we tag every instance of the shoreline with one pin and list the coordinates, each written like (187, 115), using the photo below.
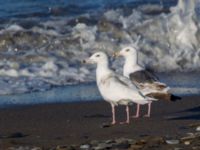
(179, 83)
(50, 125)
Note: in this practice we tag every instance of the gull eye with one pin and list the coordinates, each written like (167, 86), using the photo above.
(98, 55)
(127, 50)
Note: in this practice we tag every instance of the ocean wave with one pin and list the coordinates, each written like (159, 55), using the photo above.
(49, 51)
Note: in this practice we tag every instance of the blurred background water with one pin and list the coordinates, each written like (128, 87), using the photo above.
(42, 43)
(46, 8)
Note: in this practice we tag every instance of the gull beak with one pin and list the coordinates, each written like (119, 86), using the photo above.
(116, 54)
(84, 61)
(87, 61)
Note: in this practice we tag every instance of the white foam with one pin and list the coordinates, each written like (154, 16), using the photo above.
(135, 19)
(113, 15)
(9, 72)
(14, 27)
(44, 31)
(169, 42)
(86, 34)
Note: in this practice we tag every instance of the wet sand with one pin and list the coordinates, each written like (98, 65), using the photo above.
(50, 125)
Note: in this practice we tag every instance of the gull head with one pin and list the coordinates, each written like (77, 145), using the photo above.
(96, 58)
(125, 52)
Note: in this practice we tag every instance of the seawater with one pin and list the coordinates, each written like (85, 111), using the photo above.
(89, 91)
(42, 44)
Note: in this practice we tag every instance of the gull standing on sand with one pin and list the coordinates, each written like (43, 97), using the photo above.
(115, 89)
(146, 81)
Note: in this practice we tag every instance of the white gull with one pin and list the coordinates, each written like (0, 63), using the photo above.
(114, 88)
(146, 81)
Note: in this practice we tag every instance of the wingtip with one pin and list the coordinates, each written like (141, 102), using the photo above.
(175, 98)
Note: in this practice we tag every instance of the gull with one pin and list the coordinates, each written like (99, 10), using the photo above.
(114, 88)
(146, 81)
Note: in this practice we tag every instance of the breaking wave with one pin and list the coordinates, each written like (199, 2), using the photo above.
(39, 53)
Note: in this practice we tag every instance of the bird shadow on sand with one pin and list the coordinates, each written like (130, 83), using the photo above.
(96, 116)
(187, 114)
(195, 109)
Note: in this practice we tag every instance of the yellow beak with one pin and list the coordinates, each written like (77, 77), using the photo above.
(116, 54)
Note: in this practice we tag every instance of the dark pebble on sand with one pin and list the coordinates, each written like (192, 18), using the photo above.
(106, 125)
(14, 135)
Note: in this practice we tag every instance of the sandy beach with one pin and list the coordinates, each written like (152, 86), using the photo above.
(50, 125)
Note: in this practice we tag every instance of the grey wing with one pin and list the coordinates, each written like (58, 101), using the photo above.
(126, 82)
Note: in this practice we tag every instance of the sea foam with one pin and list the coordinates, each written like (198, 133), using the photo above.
(49, 52)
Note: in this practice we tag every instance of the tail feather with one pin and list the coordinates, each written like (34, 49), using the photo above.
(175, 98)
(163, 96)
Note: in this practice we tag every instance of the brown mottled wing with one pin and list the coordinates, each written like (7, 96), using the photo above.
(143, 76)
(145, 79)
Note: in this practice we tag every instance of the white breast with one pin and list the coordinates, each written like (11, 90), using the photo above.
(128, 69)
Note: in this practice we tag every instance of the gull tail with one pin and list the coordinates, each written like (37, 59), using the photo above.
(174, 98)
(164, 96)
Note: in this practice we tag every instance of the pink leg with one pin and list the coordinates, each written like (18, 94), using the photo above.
(113, 114)
(127, 116)
(149, 110)
(137, 112)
